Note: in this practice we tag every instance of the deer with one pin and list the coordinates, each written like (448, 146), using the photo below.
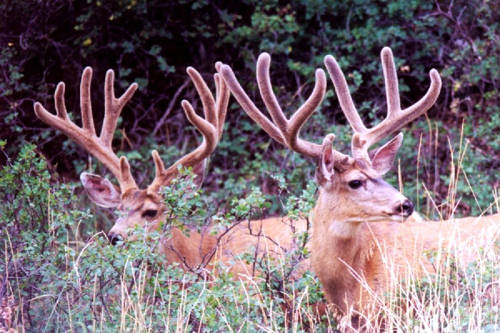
(142, 207)
(362, 238)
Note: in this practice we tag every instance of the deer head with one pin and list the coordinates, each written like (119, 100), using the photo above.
(351, 186)
(140, 207)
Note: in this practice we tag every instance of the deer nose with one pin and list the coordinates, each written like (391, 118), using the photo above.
(114, 238)
(405, 208)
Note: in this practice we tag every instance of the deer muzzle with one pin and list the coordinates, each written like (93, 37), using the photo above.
(405, 208)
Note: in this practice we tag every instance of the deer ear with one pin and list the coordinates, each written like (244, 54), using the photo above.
(326, 167)
(383, 158)
(100, 190)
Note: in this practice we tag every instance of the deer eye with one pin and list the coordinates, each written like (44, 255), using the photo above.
(355, 184)
(150, 213)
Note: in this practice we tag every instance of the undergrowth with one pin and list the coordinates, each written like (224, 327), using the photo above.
(59, 272)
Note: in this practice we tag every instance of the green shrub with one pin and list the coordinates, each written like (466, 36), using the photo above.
(63, 276)
(152, 42)
(58, 264)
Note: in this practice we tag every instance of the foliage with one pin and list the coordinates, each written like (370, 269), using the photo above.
(445, 301)
(65, 277)
(58, 268)
(152, 42)
(59, 275)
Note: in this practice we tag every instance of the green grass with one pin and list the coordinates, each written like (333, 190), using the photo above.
(58, 272)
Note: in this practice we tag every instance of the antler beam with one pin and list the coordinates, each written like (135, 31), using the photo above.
(211, 127)
(86, 136)
(285, 131)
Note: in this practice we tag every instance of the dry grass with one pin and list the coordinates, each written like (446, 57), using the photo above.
(144, 297)
(457, 298)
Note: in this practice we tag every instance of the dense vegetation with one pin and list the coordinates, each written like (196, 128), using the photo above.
(57, 269)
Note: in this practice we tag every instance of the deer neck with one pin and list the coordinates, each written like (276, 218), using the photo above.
(340, 250)
(336, 237)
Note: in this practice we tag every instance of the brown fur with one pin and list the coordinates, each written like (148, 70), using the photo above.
(270, 238)
(347, 254)
(193, 250)
(196, 250)
(360, 250)
(355, 234)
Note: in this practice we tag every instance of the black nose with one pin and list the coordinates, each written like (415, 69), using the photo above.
(405, 208)
(114, 238)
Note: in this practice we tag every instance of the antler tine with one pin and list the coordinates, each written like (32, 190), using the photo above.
(285, 131)
(299, 118)
(396, 118)
(246, 103)
(210, 128)
(85, 136)
(347, 106)
(113, 107)
(267, 94)
(343, 94)
(206, 97)
(222, 98)
(85, 103)
(290, 128)
(126, 181)
(391, 81)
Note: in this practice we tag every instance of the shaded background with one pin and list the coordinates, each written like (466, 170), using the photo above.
(152, 43)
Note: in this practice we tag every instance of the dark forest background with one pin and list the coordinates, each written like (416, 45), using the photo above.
(152, 43)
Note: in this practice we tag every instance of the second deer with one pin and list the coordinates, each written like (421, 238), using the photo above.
(144, 207)
(359, 243)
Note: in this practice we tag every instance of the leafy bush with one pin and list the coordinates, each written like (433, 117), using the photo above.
(60, 275)
(63, 275)
(151, 42)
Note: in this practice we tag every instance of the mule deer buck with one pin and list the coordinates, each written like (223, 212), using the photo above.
(142, 207)
(359, 243)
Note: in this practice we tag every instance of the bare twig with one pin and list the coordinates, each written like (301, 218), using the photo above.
(170, 107)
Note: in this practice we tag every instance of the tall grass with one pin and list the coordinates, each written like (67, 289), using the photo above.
(56, 275)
